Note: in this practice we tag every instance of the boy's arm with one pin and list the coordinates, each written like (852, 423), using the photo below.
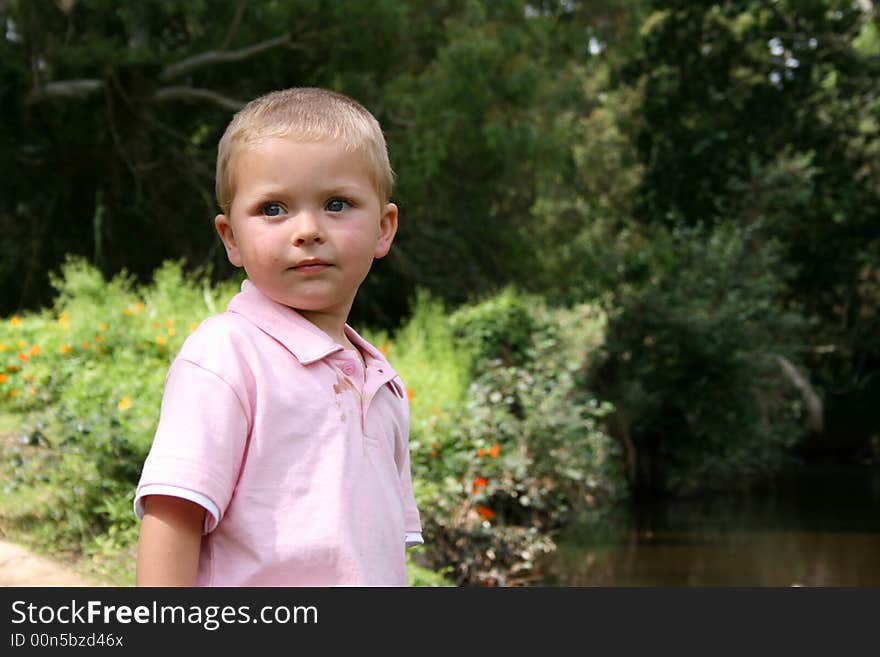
(169, 542)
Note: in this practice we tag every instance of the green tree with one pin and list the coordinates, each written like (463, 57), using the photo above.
(766, 114)
(114, 111)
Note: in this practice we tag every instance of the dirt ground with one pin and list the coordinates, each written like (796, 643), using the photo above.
(20, 567)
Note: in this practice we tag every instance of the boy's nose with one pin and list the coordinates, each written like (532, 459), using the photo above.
(306, 230)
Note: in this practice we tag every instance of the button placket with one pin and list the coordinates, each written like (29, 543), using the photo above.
(356, 378)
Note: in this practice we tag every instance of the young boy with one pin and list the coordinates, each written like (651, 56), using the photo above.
(281, 457)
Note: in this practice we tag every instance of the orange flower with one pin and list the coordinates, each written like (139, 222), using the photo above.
(479, 482)
(28, 377)
(64, 349)
(124, 404)
(23, 357)
(495, 450)
(193, 326)
(14, 321)
(384, 348)
(13, 393)
(3, 378)
(485, 512)
(156, 324)
(410, 394)
(86, 345)
(481, 452)
(161, 340)
(12, 368)
(35, 350)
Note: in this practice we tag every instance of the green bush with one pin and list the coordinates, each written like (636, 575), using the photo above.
(506, 462)
(691, 360)
(89, 380)
(500, 328)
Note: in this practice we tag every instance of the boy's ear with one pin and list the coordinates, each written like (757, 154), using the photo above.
(224, 230)
(387, 230)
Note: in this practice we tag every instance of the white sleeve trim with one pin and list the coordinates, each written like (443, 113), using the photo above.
(213, 513)
(212, 517)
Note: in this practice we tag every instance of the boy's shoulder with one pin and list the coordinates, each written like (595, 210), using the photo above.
(221, 324)
(217, 341)
(219, 328)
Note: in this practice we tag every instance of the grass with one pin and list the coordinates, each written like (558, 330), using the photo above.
(22, 522)
(9, 424)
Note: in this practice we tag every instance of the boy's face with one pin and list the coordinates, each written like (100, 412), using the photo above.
(306, 223)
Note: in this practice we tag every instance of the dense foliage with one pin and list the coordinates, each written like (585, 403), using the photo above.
(505, 443)
(695, 362)
(523, 449)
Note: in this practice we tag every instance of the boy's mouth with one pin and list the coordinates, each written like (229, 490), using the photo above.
(310, 265)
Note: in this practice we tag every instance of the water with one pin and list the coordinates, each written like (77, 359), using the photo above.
(812, 528)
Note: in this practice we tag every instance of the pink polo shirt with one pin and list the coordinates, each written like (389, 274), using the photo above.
(299, 454)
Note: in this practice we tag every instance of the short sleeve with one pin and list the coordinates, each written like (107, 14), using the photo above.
(201, 437)
(412, 522)
(212, 513)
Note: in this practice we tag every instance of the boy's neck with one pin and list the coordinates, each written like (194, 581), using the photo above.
(332, 325)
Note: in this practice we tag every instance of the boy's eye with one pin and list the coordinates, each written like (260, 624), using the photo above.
(272, 209)
(336, 205)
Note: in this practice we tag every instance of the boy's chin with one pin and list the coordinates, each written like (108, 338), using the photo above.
(311, 305)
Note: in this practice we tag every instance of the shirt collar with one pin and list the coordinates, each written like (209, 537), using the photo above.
(299, 336)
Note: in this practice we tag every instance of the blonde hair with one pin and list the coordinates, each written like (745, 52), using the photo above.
(304, 114)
